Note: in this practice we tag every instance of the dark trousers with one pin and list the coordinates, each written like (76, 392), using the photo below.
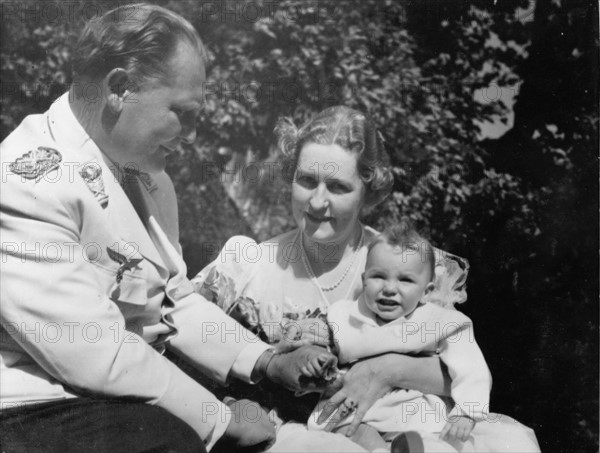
(88, 425)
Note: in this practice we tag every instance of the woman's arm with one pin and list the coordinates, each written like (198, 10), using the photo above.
(370, 379)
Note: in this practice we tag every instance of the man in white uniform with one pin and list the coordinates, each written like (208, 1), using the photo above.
(94, 287)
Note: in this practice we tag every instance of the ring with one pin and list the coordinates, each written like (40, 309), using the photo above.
(349, 406)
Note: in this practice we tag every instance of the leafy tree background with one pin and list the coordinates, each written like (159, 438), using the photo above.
(521, 206)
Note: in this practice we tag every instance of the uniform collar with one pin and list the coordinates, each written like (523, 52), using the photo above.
(66, 130)
(72, 139)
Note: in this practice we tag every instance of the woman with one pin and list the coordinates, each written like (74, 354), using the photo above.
(340, 167)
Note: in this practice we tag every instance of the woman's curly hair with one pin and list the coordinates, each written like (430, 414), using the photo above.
(352, 131)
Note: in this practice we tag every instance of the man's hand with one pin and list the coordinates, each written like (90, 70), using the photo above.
(303, 332)
(458, 428)
(314, 330)
(249, 427)
(294, 370)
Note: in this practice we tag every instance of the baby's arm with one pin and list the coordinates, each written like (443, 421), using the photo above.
(471, 380)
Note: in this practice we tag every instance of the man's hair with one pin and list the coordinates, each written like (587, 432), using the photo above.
(404, 236)
(139, 38)
(352, 131)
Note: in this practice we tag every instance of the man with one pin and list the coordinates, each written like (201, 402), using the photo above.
(93, 287)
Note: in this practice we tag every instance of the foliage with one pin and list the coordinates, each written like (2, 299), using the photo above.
(516, 206)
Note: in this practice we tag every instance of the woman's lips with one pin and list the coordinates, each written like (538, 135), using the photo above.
(318, 219)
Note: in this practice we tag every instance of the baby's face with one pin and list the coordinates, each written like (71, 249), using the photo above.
(395, 281)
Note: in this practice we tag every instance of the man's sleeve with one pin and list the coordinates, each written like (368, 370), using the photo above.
(212, 341)
(48, 280)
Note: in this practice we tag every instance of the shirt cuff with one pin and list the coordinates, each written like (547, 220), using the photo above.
(246, 360)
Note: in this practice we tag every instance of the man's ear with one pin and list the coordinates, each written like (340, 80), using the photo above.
(116, 83)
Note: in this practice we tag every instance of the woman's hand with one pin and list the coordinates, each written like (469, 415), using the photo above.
(250, 426)
(370, 379)
(363, 384)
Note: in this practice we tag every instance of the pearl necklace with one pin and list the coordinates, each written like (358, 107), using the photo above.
(312, 275)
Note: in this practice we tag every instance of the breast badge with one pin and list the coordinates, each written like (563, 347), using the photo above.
(36, 163)
(92, 175)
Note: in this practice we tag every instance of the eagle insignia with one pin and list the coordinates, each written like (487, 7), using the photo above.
(36, 163)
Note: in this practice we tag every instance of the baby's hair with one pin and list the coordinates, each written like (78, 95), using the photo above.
(404, 236)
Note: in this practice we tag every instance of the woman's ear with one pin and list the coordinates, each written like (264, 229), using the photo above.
(371, 199)
(116, 83)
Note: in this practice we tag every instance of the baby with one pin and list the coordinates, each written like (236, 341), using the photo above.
(391, 316)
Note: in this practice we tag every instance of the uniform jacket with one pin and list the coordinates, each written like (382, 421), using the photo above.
(93, 286)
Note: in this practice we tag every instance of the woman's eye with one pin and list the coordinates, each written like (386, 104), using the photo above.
(336, 187)
(306, 181)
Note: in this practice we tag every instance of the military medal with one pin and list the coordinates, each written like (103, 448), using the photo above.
(92, 175)
(36, 163)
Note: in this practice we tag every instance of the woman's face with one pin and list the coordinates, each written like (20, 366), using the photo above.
(327, 193)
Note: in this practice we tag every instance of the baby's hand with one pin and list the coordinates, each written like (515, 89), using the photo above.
(458, 428)
(327, 385)
(319, 365)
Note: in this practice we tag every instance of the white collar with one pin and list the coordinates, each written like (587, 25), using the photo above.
(68, 133)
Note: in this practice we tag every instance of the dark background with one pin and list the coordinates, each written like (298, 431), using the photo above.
(489, 111)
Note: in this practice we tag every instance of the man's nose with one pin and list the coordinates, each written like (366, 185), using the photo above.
(188, 129)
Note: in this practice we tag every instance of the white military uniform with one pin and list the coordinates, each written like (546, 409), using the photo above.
(93, 284)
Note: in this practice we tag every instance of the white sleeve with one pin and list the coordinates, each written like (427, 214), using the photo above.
(471, 378)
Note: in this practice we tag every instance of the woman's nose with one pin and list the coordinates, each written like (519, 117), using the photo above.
(318, 200)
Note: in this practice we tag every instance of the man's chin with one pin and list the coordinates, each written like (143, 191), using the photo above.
(157, 165)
